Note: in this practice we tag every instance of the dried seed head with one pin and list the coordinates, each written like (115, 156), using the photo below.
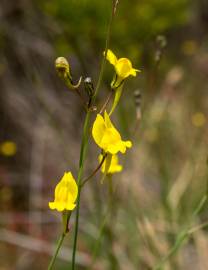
(137, 97)
(137, 100)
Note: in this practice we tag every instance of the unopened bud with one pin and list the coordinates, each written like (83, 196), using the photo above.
(63, 69)
(89, 86)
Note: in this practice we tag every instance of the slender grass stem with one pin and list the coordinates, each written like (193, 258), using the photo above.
(199, 227)
(183, 235)
(60, 241)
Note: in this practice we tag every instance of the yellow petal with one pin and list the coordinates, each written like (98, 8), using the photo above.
(114, 166)
(70, 206)
(52, 205)
(123, 67)
(128, 144)
(72, 186)
(111, 138)
(107, 136)
(115, 148)
(134, 72)
(108, 122)
(117, 168)
(60, 206)
(111, 57)
(107, 164)
(122, 147)
(66, 192)
(56, 205)
(98, 129)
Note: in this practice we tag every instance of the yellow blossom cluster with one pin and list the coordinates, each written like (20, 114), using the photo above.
(104, 133)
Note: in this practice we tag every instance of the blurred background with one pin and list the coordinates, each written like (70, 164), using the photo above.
(165, 173)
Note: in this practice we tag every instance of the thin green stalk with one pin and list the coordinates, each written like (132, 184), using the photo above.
(60, 241)
(93, 173)
(106, 102)
(107, 42)
(85, 135)
(80, 173)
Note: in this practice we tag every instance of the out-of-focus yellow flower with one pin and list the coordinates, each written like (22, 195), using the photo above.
(198, 119)
(114, 165)
(107, 137)
(8, 148)
(65, 194)
(123, 66)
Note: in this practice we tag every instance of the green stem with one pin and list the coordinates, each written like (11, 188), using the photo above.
(83, 151)
(94, 172)
(106, 49)
(60, 241)
(118, 93)
(106, 102)
(85, 135)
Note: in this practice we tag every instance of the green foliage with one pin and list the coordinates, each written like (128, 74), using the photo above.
(86, 20)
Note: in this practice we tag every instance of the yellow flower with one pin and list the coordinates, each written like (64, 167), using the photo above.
(107, 137)
(123, 66)
(8, 148)
(114, 165)
(198, 119)
(65, 193)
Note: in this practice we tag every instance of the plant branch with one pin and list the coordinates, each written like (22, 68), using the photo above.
(106, 102)
(83, 151)
(94, 172)
(60, 241)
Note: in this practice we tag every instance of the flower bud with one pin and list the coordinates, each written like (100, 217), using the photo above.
(89, 86)
(63, 69)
